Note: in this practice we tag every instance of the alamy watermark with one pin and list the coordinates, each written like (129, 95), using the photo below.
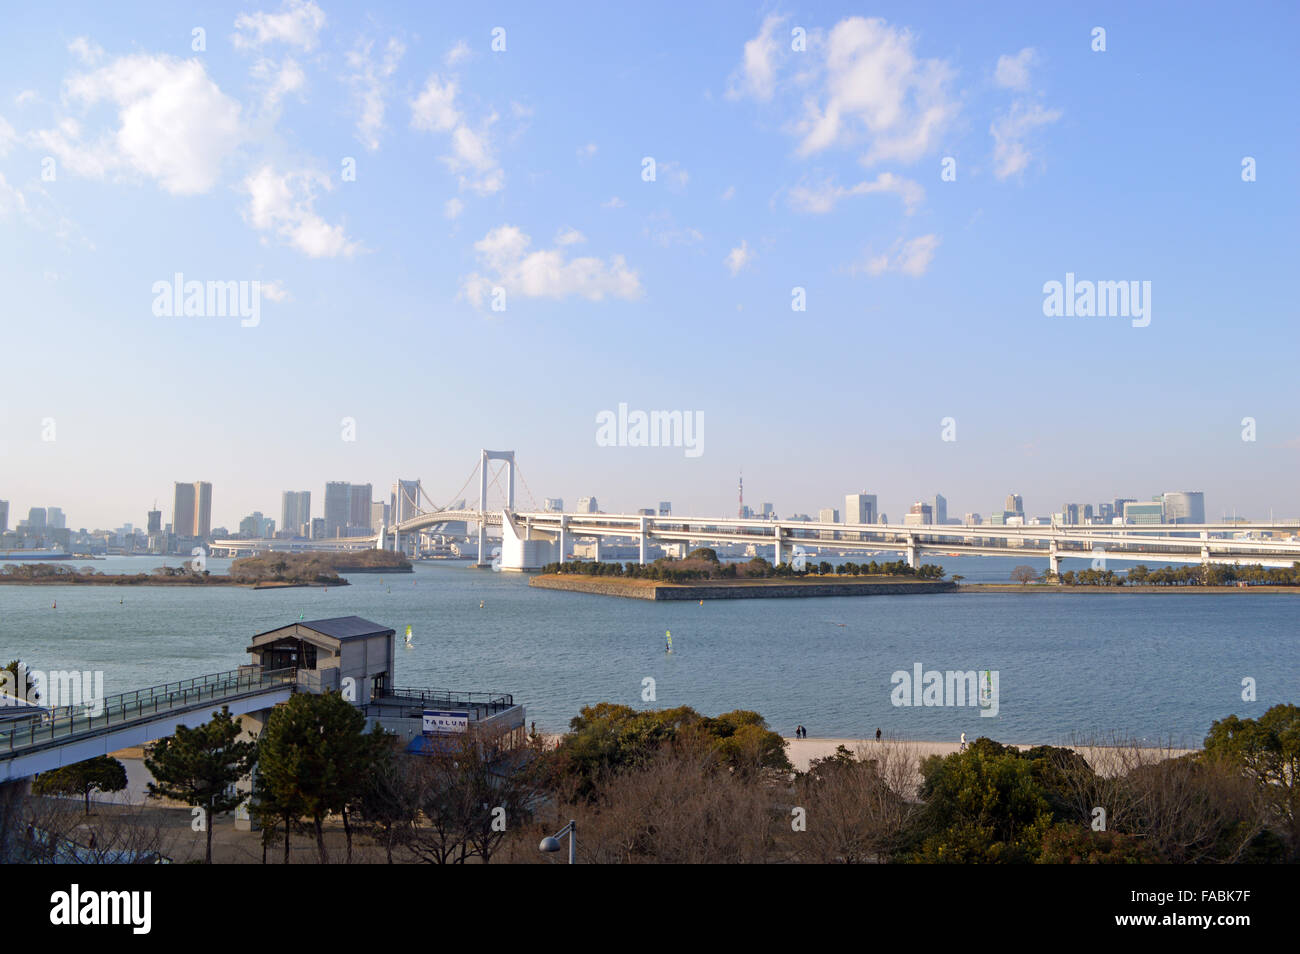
(53, 689)
(194, 299)
(1087, 299)
(651, 429)
(930, 687)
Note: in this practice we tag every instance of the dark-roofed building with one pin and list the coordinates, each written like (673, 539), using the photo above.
(345, 654)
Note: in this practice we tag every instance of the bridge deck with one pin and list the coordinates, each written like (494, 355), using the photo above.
(67, 724)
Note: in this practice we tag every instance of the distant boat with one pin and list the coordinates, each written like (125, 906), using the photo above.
(408, 636)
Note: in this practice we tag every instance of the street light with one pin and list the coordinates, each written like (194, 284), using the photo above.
(552, 844)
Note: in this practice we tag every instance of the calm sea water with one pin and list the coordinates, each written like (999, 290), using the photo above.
(1158, 668)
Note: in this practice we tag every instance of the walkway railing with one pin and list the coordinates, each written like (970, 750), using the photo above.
(65, 723)
(450, 697)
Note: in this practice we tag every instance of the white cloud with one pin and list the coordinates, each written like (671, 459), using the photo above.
(175, 124)
(587, 151)
(453, 208)
(285, 205)
(569, 236)
(457, 53)
(756, 75)
(824, 197)
(739, 257)
(298, 23)
(11, 200)
(434, 110)
(675, 173)
(1010, 154)
(275, 291)
(25, 97)
(1011, 130)
(863, 84)
(369, 82)
(278, 80)
(613, 202)
(911, 257)
(86, 50)
(471, 157)
(875, 87)
(729, 194)
(7, 137)
(545, 273)
(663, 231)
(1012, 72)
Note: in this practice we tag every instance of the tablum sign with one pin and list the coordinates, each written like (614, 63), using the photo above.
(436, 721)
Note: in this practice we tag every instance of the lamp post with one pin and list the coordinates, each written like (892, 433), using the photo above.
(552, 844)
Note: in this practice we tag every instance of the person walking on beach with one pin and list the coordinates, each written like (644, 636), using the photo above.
(877, 735)
(963, 743)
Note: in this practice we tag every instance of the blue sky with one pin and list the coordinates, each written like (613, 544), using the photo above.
(775, 169)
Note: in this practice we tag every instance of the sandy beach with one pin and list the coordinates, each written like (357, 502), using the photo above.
(1102, 758)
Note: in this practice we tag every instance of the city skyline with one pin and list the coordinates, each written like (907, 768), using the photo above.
(380, 174)
(859, 509)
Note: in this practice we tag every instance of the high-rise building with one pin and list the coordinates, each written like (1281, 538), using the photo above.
(183, 510)
(940, 509)
(1184, 506)
(665, 508)
(1120, 503)
(54, 518)
(1106, 511)
(860, 508)
(1015, 503)
(338, 507)
(203, 509)
(828, 515)
(646, 512)
(921, 515)
(192, 510)
(587, 505)
(379, 515)
(4, 515)
(36, 518)
(1071, 512)
(359, 501)
(317, 528)
(554, 505)
(295, 512)
(1144, 513)
(972, 520)
(154, 523)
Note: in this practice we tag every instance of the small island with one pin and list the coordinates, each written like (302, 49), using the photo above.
(702, 576)
(265, 571)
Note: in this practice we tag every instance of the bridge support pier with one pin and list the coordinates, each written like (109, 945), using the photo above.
(913, 553)
(564, 535)
(1053, 559)
(777, 561)
(642, 536)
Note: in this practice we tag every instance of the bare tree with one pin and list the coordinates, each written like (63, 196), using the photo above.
(857, 807)
(681, 807)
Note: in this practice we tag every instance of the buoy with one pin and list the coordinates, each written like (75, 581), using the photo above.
(481, 603)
